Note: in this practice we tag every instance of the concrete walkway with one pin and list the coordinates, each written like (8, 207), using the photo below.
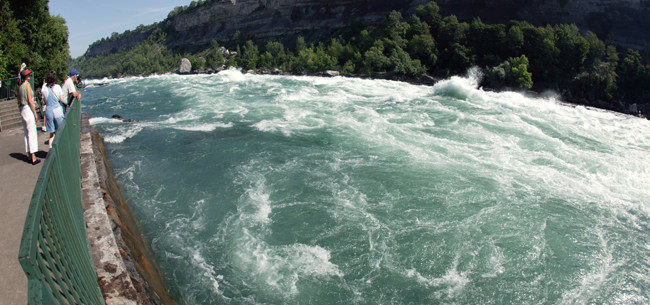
(17, 181)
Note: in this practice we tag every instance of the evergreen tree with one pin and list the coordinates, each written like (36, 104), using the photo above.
(249, 56)
(214, 56)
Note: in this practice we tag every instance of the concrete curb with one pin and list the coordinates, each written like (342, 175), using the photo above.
(112, 276)
(126, 270)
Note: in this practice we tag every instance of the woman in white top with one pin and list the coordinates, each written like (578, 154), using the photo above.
(53, 96)
(28, 113)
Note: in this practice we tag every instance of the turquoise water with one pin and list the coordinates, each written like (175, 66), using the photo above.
(303, 190)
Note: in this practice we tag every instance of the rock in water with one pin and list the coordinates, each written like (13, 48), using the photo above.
(331, 73)
(185, 66)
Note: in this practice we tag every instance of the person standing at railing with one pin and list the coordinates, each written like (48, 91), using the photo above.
(43, 106)
(28, 113)
(70, 88)
(54, 113)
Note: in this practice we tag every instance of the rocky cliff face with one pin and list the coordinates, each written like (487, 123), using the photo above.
(621, 22)
(120, 43)
(219, 20)
(277, 18)
(624, 22)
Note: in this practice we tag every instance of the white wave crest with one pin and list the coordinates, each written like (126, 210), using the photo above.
(203, 127)
(462, 88)
(454, 281)
(122, 134)
(282, 267)
(102, 120)
(232, 75)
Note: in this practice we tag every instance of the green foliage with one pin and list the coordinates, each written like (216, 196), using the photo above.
(598, 82)
(230, 62)
(249, 56)
(430, 14)
(487, 42)
(519, 72)
(214, 56)
(29, 34)
(423, 48)
(375, 60)
(186, 8)
(313, 59)
(147, 58)
(365, 41)
(348, 68)
(50, 50)
(511, 73)
(11, 43)
(633, 76)
(418, 27)
(336, 50)
(572, 49)
(300, 44)
(3, 65)
(322, 60)
(596, 48)
(395, 29)
(402, 64)
(455, 55)
(275, 55)
(514, 39)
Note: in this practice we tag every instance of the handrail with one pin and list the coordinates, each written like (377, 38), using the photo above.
(54, 251)
(8, 87)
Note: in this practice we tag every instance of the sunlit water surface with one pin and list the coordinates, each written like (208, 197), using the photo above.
(303, 190)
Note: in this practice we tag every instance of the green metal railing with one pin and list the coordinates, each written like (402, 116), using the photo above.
(54, 251)
(8, 87)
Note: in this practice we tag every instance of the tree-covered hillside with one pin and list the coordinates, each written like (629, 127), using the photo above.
(577, 65)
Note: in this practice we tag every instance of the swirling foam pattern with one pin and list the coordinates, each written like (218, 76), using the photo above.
(303, 190)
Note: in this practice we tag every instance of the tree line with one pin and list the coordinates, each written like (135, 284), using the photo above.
(519, 55)
(29, 34)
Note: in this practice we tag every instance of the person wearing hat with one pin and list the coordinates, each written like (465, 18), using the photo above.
(28, 113)
(69, 88)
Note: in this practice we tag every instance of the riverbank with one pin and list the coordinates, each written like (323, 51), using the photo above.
(126, 271)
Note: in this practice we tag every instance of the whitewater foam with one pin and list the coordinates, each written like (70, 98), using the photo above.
(303, 189)
(125, 133)
(100, 120)
(231, 75)
(203, 127)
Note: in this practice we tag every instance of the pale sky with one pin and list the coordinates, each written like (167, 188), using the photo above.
(89, 21)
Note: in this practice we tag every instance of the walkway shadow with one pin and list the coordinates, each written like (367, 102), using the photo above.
(41, 154)
(21, 157)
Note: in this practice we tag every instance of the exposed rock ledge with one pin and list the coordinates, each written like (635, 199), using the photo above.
(126, 271)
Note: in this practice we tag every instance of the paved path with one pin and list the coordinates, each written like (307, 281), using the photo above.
(17, 181)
